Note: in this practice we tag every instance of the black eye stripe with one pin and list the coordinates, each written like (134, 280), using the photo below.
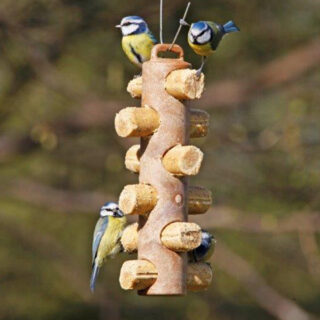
(128, 23)
(201, 33)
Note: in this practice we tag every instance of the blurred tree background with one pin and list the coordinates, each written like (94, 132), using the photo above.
(63, 77)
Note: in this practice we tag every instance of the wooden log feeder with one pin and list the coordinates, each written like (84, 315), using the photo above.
(164, 159)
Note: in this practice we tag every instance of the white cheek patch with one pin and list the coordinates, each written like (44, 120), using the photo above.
(126, 30)
(205, 37)
(104, 213)
(191, 37)
(196, 32)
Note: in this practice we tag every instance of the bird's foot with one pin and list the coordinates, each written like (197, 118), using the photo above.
(198, 73)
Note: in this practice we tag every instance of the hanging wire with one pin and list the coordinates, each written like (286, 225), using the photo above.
(161, 21)
(180, 26)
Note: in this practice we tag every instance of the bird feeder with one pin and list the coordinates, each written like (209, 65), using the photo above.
(164, 159)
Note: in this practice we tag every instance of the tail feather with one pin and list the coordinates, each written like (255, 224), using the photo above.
(230, 26)
(94, 275)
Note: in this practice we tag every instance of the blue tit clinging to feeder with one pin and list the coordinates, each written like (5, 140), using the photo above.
(137, 39)
(106, 237)
(204, 37)
(205, 250)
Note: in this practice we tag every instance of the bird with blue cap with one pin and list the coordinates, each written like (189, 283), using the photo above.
(106, 238)
(137, 39)
(204, 37)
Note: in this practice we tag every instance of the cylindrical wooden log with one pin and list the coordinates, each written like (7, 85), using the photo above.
(141, 274)
(142, 198)
(132, 159)
(180, 160)
(183, 160)
(200, 200)
(181, 236)
(182, 84)
(199, 276)
(185, 85)
(136, 122)
(177, 236)
(199, 123)
(137, 199)
(135, 87)
(171, 191)
(129, 238)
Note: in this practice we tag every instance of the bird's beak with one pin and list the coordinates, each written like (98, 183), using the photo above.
(120, 214)
(118, 26)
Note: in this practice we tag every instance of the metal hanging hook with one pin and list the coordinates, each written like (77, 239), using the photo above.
(161, 21)
(181, 22)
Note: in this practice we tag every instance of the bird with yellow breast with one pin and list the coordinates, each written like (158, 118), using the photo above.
(137, 39)
(204, 37)
(106, 238)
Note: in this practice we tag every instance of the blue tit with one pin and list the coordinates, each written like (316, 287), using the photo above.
(204, 37)
(106, 237)
(137, 40)
(205, 250)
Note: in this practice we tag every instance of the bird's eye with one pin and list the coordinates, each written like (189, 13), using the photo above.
(126, 24)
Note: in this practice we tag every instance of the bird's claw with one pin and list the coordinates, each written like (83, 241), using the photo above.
(198, 73)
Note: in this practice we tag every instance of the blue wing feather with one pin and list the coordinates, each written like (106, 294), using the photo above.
(99, 231)
(230, 26)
